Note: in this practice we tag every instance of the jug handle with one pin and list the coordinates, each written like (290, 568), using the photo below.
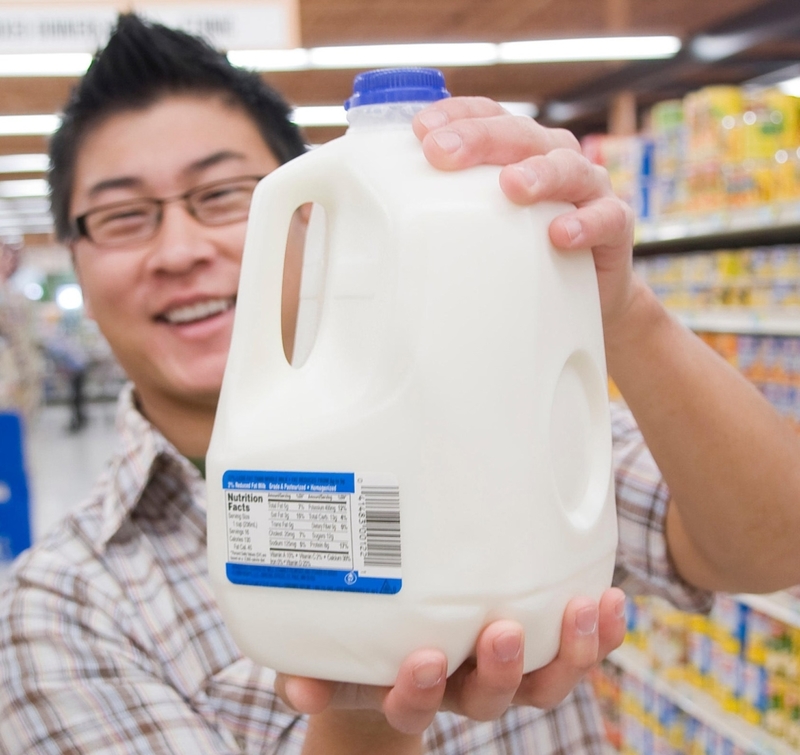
(257, 341)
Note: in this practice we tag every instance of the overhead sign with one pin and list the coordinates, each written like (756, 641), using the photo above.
(33, 28)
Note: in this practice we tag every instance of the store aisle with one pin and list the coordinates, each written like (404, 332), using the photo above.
(63, 466)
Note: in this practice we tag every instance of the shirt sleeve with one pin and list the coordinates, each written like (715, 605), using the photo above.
(643, 563)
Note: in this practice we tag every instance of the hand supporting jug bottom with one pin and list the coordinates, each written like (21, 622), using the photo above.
(442, 457)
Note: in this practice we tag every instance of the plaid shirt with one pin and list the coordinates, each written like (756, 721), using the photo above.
(111, 641)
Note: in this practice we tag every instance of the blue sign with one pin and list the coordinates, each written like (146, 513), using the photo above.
(15, 524)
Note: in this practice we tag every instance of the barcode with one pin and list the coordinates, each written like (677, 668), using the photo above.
(381, 506)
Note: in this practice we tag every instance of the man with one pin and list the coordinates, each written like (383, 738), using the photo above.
(20, 360)
(110, 640)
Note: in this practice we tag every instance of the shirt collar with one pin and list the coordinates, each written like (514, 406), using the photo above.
(140, 456)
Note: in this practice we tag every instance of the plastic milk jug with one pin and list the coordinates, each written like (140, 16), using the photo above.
(442, 456)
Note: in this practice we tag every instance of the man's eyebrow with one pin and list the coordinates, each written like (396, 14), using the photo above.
(214, 159)
(131, 182)
(123, 182)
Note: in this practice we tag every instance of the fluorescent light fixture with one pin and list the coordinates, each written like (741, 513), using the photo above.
(561, 112)
(335, 115)
(710, 47)
(44, 125)
(381, 56)
(319, 115)
(459, 53)
(24, 163)
(28, 125)
(271, 60)
(377, 56)
(45, 64)
(592, 48)
(528, 109)
(790, 86)
(34, 187)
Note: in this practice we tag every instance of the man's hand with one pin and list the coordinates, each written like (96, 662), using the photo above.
(540, 164)
(484, 687)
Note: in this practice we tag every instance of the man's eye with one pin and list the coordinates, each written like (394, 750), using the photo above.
(127, 215)
(222, 196)
(119, 222)
(219, 193)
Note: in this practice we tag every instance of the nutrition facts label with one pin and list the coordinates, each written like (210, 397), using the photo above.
(324, 531)
(310, 528)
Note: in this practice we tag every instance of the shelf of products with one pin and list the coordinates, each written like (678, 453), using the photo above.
(782, 606)
(767, 225)
(699, 706)
(742, 322)
(725, 683)
(715, 184)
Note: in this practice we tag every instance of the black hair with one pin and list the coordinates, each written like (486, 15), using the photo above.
(142, 62)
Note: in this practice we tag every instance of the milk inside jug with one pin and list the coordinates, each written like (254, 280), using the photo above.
(441, 458)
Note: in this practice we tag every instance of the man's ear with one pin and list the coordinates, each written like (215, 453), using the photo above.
(87, 307)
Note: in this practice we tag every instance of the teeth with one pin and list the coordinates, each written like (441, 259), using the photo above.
(198, 311)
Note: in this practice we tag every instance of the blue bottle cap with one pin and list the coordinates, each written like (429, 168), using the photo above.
(397, 85)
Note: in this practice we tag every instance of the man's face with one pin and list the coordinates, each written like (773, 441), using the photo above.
(166, 305)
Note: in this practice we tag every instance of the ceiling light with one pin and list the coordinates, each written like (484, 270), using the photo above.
(377, 56)
(790, 86)
(711, 47)
(24, 163)
(335, 115)
(596, 48)
(459, 53)
(319, 115)
(44, 125)
(382, 56)
(45, 64)
(28, 125)
(521, 108)
(36, 187)
(271, 60)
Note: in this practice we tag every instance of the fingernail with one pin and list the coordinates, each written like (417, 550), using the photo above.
(433, 119)
(448, 141)
(573, 228)
(288, 689)
(586, 620)
(529, 175)
(428, 674)
(619, 610)
(507, 646)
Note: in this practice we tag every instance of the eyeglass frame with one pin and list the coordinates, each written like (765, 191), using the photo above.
(82, 231)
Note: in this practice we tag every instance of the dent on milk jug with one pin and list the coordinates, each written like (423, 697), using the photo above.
(441, 458)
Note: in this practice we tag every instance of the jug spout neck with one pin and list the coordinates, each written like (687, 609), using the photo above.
(391, 115)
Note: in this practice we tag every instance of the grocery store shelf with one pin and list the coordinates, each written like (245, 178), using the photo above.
(747, 227)
(779, 605)
(752, 739)
(741, 322)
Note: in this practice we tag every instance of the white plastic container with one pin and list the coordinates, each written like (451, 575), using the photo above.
(442, 458)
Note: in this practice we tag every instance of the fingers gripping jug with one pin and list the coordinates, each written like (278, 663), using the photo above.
(442, 457)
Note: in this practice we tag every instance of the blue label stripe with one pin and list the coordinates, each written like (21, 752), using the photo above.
(310, 579)
(290, 482)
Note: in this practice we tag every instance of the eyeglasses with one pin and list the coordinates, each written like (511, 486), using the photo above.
(138, 220)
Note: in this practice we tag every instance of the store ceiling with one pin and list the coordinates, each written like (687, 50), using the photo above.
(758, 37)
(766, 33)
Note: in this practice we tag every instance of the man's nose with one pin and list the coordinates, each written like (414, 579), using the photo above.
(180, 240)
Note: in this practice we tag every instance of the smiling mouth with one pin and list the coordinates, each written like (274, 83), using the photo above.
(197, 312)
